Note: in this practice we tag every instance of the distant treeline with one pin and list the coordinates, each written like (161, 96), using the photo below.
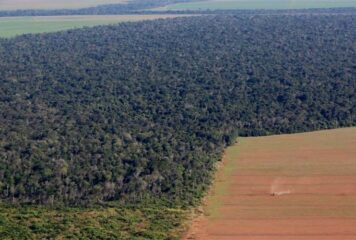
(106, 9)
(146, 109)
(145, 7)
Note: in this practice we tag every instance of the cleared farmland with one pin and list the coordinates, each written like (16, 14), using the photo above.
(300, 186)
(54, 4)
(13, 26)
(259, 4)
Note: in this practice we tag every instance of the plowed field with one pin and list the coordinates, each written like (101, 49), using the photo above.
(290, 187)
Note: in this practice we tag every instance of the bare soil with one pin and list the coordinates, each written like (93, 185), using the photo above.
(290, 187)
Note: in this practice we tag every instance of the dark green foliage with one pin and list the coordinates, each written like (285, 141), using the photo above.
(139, 109)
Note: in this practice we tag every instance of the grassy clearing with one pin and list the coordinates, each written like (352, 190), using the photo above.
(259, 4)
(221, 186)
(151, 221)
(13, 26)
(53, 4)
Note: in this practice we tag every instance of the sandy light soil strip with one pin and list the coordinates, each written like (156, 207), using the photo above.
(54, 4)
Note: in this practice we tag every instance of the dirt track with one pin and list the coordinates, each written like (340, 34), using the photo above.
(290, 187)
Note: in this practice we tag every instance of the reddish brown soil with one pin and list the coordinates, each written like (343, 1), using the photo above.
(290, 187)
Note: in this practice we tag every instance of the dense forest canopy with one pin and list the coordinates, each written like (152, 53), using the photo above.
(151, 7)
(139, 109)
